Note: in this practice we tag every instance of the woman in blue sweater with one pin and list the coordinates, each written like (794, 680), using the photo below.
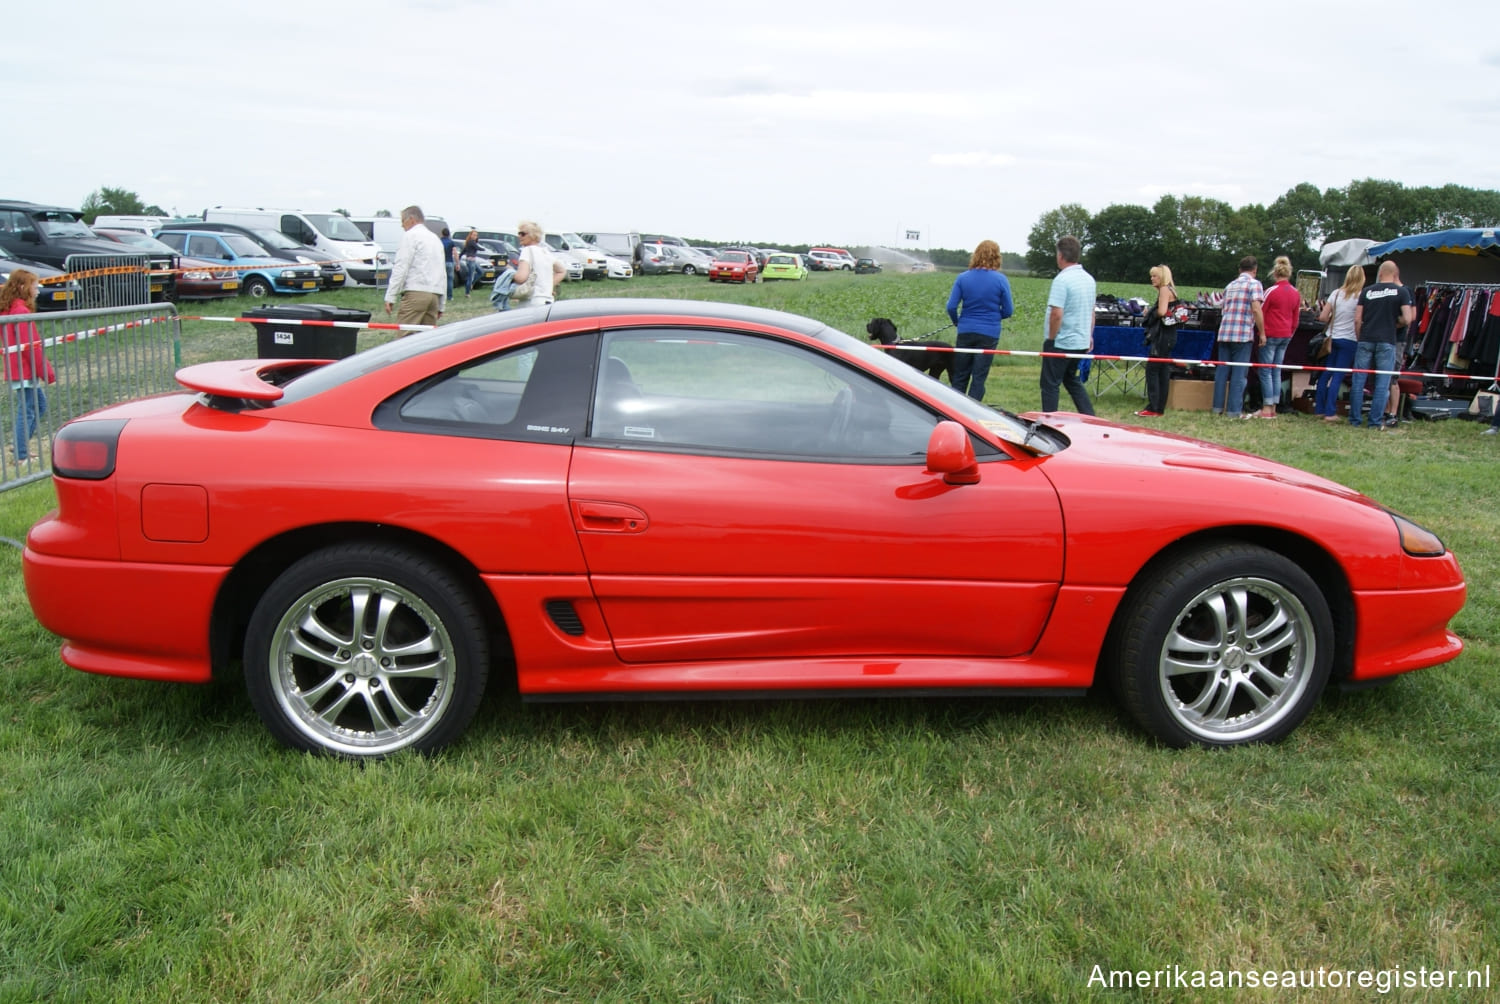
(979, 302)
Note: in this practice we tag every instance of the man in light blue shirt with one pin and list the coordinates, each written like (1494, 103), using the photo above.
(1070, 327)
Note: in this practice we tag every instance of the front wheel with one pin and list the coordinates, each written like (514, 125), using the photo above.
(1226, 645)
(689, 270)
(257, 287)
(363, 650)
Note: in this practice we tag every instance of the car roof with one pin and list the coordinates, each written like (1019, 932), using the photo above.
(603, 307)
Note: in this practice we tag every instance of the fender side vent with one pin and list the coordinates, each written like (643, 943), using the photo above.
(565, 617)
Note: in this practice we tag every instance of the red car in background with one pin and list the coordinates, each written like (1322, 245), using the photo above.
(668, 498)
(734, 266)
(194, 278)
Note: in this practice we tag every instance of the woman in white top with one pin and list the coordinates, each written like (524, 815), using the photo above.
(538, 261)
(1338, 315)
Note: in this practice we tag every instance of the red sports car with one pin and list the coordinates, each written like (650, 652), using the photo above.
(734, 266)
(635, 498)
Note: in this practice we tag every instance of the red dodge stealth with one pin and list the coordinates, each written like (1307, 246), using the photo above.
(636, 498)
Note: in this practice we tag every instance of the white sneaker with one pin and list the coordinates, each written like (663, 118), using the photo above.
(1490, 431)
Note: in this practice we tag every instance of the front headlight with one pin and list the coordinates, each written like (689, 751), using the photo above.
(1418, 541)
(198, 274)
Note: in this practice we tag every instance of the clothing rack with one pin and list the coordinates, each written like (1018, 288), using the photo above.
(1441, 284)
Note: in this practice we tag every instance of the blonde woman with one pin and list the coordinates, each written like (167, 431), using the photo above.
(1338, 315)
(1161, 339)
(536, 260)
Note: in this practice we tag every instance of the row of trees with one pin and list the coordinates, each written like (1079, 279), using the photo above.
(1203, 239)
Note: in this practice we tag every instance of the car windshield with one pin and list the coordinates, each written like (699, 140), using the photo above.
(1003, 424)
(274, 240)
(60, 224)
(335, 227)
(780, 259)
(243, 246)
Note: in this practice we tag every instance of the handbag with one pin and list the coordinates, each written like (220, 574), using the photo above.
(1319, 346)
(524, 290)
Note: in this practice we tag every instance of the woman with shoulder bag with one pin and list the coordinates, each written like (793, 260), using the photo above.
(1161, 339)
(537, 273)
(1338, 315)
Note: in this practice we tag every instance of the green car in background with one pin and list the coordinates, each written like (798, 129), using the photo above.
(783, 265)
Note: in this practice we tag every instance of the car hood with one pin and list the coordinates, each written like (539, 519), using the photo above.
(43, 270)
(1111, 450)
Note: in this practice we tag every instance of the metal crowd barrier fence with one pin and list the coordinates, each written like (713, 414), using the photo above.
(100, 357)
(110, 280)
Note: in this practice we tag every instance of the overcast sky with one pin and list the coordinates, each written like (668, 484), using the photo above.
(840, 122)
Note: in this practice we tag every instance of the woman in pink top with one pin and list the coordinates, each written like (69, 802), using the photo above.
(27, 369)
(1282, 311)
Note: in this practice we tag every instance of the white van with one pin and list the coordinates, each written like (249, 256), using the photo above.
(385, 231)
(327, 231)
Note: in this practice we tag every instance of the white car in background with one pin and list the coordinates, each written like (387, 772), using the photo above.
(595, 262)
(619, 268)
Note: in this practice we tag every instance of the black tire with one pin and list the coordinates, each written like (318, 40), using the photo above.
(1224, 645)
(363, 650)
(689, 270)
(257, 287)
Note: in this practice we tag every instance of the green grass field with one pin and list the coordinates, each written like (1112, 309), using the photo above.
(157, 845)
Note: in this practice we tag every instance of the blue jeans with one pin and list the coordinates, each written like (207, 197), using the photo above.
(1371, 356)
(1234, 376)
(1270, 356)
(473, 271)
(970, 370)
(31, 405)
(1341, 356)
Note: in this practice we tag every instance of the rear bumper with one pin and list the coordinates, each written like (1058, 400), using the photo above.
(146, 621)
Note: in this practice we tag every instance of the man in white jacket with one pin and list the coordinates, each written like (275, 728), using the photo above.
(418, 278)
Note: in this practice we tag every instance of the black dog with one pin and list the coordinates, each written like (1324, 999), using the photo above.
(931, 357)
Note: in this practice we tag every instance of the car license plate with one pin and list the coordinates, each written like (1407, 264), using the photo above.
(63, 294)
(156, 287)
(310, 285)
(230, 284)
(337, 279)
(382, 277)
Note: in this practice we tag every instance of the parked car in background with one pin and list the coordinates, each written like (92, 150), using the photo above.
(841, 254)
(260, 275)
(275, 244)
(923, 266)
(657, 259)
(616, 243)
(784, 265)
(734, 266)
(141, 224)
(866, 266)
(163, 259)
(830, 261)
(57, 292)
(48, 234)
(571, 245)
(362, 258)
(195, 278)
(618, 268)
(501, 252)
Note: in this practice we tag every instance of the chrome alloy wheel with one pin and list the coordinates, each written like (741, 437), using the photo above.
(1237, 659)
(362, 666)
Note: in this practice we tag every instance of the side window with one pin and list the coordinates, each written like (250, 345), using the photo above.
(727, 392)
(201, 246)
(535, 393)
(22, 224)
(174, 241)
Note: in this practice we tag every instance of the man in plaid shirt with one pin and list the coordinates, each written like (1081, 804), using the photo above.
(1241, 328)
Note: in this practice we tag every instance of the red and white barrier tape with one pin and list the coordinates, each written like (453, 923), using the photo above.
(1185, 362)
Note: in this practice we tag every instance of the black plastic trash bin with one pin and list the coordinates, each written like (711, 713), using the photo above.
(304, 341)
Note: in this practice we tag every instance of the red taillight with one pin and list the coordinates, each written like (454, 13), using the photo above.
(86, 449)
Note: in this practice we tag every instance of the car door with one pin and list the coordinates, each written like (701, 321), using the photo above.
(743, 496)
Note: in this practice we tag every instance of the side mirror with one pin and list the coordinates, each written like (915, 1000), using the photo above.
(951, 454)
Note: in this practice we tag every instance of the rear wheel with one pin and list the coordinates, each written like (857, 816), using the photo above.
(689, 270)
(1229, 644)
(364, 650)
